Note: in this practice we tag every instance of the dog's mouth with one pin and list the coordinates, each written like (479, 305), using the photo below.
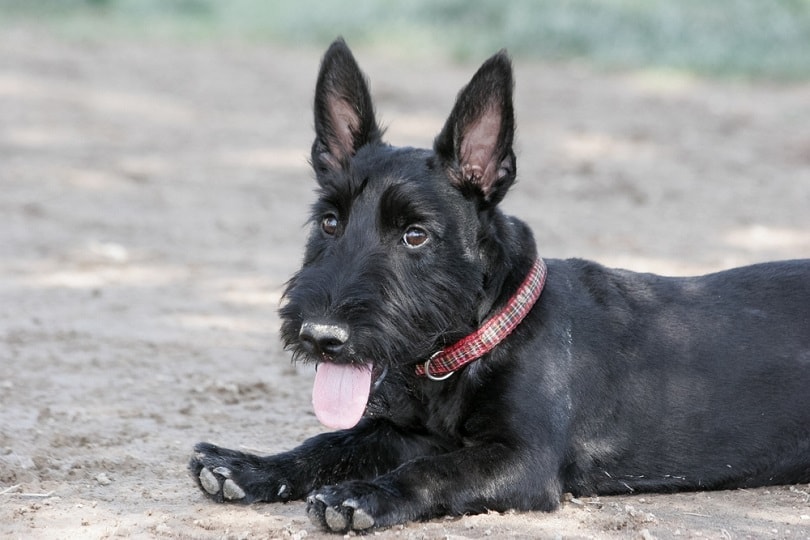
(341, 392)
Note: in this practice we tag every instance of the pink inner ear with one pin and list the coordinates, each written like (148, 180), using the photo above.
(344, 121)
(478, 145)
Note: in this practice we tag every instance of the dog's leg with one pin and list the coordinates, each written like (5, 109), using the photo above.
(366, 451)
(471, 480)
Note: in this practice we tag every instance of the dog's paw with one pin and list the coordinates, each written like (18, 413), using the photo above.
(341, 518)
(231, 476)
(352, 506)
(218, 483)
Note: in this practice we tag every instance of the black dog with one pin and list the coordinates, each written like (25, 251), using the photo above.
(609, 382)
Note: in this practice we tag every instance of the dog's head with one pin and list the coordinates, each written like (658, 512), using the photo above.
(407, 247)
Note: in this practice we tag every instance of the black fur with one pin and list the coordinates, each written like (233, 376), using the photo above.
(616, 382)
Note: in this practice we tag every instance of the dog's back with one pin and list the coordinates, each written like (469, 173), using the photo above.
(686, 383)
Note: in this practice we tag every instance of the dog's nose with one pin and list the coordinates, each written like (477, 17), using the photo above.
(323, 339)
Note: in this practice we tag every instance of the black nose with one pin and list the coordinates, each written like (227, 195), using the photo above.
(323, 339)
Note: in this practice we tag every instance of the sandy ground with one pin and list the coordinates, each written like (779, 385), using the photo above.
(152, 201)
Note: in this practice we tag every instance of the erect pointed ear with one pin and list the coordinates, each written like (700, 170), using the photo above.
(344, 114)
(475, 144)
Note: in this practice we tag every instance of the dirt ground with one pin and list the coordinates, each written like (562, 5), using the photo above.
(152, 201)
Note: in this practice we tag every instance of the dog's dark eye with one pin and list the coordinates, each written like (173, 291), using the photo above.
(415, 237)
(329, 224)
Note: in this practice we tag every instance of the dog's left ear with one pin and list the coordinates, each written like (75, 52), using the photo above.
(475, 144)
(344, 113)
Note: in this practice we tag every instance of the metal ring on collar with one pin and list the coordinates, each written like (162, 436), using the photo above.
(435, 377)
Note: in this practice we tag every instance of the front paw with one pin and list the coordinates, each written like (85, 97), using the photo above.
(231, 476)
(354, 506)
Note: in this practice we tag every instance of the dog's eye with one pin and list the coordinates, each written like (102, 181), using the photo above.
(415, 237)
(329, 224)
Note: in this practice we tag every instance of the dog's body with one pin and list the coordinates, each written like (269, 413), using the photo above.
(614, 381)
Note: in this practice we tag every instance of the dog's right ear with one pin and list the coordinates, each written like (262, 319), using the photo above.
(344, 114)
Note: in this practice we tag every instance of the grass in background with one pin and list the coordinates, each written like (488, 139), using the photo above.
(725, 38)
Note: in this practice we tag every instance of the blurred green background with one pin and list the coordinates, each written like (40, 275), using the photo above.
(760, 39)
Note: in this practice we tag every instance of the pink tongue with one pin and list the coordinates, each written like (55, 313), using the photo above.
(340, 394)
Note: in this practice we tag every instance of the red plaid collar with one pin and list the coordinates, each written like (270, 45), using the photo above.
(494, 330)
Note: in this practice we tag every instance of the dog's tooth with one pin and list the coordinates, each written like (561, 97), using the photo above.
(209, 482)
(334, 519)
(231, 491)
(224, 471)
(361, 520)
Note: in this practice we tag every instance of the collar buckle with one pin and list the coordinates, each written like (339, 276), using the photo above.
(426, 368)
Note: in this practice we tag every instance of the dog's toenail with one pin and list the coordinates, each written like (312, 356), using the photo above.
(209, 482)
(334, 519)
(224, 471)
(361, 520)
(231, 491)
(283, 489)
(314, 516)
